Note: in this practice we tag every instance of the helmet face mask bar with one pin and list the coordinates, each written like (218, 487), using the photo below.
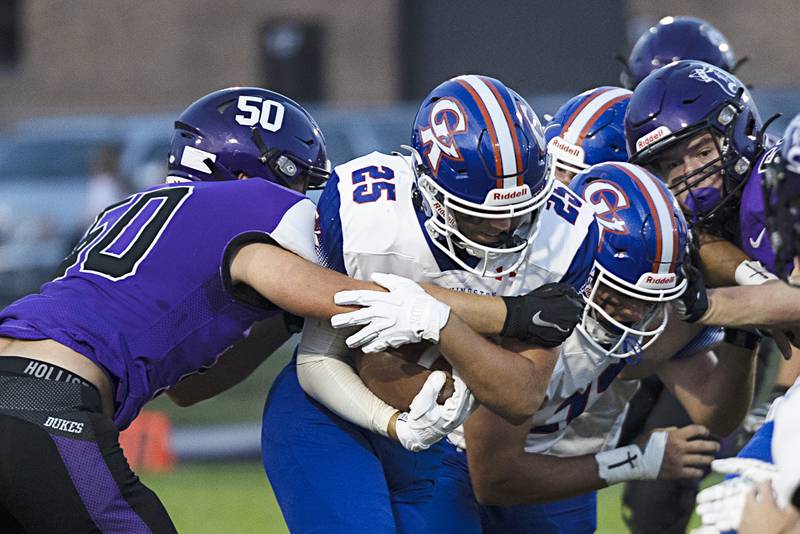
(613, 337)
(446, 210)
(704, 204)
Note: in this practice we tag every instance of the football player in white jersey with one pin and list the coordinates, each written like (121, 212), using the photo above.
(471, 209)
(638, 271)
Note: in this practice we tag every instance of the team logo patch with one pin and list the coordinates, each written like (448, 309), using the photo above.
(608, 199)
(447, 120)
(710, 74)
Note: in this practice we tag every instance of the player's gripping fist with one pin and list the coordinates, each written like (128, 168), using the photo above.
(546, 316)
(427, 421)
(406, 314)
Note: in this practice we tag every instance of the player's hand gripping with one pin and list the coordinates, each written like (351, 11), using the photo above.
(688, 453)
(406, 314)
(663, 453)
(427, 421)
(546, 316)
(693, 303)
(720, 506)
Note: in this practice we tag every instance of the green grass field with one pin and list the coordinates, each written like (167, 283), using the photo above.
(236, 498)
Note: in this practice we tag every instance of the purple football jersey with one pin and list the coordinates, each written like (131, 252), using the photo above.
(752, 218)
(147, 293)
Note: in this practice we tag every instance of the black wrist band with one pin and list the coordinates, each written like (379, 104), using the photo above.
(510, 325)
(742, 338)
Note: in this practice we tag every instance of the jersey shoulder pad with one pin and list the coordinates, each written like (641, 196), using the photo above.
(567, 234)
(285, 215)
(377, 217)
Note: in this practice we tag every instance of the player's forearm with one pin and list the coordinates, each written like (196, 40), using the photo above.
(765, 305)
(510, 384)
(534, 478)
(291, 282)
(234, 365)
(484, 314)
(722, 399)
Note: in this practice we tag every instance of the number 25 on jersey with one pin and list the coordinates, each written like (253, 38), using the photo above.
(371, 183)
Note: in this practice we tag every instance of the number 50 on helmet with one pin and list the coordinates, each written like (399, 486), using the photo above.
(480, 148)
(248, 131)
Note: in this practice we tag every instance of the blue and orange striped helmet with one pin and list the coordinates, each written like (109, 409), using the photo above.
(639, 258)
(481, 152)
(588, 129)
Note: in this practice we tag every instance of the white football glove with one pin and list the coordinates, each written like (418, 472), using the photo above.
(720, 506)
(428, 421)
(406, 314)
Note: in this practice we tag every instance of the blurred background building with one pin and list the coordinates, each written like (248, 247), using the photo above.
(152, 55)
(83, 82)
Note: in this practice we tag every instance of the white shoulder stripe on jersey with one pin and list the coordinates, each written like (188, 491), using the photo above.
(664, 214)
(586, 114)
(505, 139)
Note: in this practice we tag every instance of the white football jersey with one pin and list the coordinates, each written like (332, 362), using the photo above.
(599, 427)
(585, 406)
(581, 376)
(369, 224)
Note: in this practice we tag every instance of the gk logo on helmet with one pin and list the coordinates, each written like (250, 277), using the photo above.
(608, 199)
(447, 119)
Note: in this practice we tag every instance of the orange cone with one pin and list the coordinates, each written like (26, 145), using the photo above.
(147, 443)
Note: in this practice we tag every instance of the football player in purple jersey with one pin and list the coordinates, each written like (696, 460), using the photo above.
(771, 455)
(704, 137)
(159, 286)
(157, 289)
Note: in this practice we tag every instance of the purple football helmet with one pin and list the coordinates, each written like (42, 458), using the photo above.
(248, 130)
(639, 259)
(481, 156)
(782, 195)
(686, 99)
(588, 130)
(674, 39)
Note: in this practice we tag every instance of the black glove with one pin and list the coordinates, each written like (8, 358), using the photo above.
(693, 304)
(546, 316)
